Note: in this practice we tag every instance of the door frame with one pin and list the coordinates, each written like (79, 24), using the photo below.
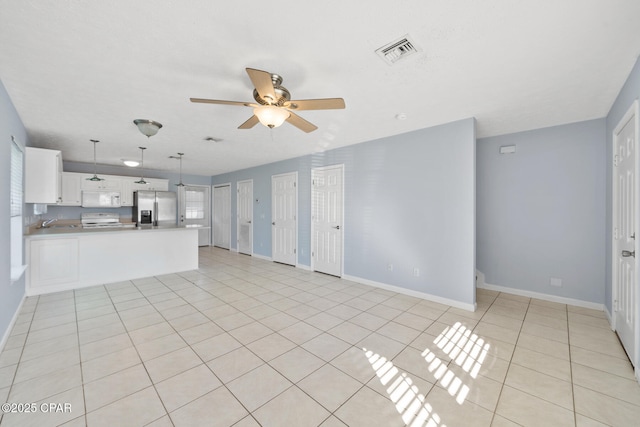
(313, 170)
(213, 189)
(238, 217)
(295, 174)
(208, 208)
(634, 109)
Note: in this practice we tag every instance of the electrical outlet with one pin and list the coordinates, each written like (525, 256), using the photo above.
(416, 272)
(554, 281)
(390, 267)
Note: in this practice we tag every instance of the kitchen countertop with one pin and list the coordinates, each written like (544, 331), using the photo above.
(67, 230)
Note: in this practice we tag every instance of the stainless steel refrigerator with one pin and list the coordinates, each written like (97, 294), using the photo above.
(155, 208)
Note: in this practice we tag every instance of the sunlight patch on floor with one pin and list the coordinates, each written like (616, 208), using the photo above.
(465, 349)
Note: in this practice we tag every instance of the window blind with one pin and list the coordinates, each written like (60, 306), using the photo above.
(194, 206)
(16, 179)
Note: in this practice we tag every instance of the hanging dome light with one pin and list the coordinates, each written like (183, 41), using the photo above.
(141, 180)
(147, 127)
(95, 165)
(180, 184)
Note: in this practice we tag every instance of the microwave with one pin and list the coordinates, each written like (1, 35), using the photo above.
(101, 199)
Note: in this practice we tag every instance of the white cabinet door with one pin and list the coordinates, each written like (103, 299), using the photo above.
(156, 184)
(71, 189)
(53, 262)
(42, 178)
(108, 183)
(152, 184)
(126, 192)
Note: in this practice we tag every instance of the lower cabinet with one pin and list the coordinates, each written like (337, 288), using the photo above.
(76, 260)
(53, 262)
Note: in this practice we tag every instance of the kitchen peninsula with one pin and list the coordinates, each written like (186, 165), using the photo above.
(66, 258)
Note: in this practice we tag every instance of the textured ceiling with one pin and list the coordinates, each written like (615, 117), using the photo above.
(80, 70)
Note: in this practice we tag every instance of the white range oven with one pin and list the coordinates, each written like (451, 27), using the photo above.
(103, 220)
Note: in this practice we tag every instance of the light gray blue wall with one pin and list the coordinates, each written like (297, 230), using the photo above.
(409, 201)
(541, 211)
(10, 294)
(629, 93)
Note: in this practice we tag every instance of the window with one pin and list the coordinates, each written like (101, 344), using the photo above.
(15, 203)
(194, 204)
(16, 180)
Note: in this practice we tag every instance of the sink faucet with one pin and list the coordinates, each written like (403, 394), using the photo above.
(47, 222)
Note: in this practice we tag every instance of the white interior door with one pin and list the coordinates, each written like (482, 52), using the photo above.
(222, 216)
(326, 219)
(245, 217)
(624, 232)
(284, 208)
(194, 205)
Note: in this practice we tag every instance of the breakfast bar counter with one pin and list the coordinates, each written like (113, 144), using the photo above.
(64, 258)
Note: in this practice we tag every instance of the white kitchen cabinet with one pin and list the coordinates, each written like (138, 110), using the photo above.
(43, 176)
(126, 191)
(153, 184)
(158, 184)
(108, 183)
(53, 262)
(71, 189)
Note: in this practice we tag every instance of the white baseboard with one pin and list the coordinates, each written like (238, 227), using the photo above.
(545, 297)
(609, 318)
(7, 333)
(266, 258)
(410, 292)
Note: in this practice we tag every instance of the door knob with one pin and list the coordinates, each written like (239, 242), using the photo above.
(337, 227)
(629, 253)
(273, 223)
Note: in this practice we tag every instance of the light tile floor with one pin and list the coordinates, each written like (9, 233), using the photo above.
(246, 342)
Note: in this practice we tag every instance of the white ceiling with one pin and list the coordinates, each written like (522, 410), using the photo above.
(80, 70)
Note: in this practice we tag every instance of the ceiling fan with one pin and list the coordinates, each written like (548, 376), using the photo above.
(274, 104)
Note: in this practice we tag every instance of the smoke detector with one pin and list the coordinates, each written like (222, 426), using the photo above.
(397, 50)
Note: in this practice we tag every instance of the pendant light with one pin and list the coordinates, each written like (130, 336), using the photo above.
(147, 128)
(95, 165)
(141, 181)
(180, 184)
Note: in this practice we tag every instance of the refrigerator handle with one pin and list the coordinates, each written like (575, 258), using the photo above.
(155, 213)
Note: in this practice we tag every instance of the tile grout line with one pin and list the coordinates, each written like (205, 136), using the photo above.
(506, 374)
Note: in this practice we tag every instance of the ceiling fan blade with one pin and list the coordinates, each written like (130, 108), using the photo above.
(262, 82)
(253, 120)
(218, 101)
(316, 104)
(301, 123)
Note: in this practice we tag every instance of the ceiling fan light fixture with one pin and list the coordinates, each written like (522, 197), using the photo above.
(270, 115)
(147, 127)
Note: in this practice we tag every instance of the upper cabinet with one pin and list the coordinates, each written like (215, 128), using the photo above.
(43, 176)
(74, 183)
(71, 189)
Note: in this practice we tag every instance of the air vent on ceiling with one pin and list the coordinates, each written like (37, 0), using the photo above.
(397, 50)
